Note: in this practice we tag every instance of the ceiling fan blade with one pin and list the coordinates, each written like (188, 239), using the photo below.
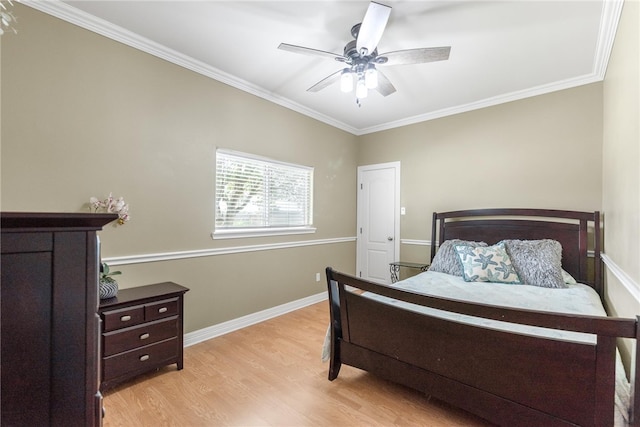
(327, 81)
(415, 56)
(385, 87)
(312, 52)
(372, 27)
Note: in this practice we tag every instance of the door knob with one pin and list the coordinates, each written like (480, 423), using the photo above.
(389, 238)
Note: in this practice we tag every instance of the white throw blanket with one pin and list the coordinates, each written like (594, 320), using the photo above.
(576, 299)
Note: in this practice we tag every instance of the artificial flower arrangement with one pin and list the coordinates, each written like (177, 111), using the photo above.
(112, 205)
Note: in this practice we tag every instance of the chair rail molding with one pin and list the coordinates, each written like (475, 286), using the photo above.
(170, 256)
(415, 242)
(627, 282)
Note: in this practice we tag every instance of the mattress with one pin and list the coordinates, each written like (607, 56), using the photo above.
(575, 299)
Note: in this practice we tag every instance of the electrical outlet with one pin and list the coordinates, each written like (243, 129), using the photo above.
(403, 211)
(317, 277)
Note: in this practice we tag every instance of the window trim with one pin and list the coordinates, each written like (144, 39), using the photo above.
(236, 233)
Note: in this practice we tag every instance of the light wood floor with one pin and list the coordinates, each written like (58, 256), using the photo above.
(270, 374)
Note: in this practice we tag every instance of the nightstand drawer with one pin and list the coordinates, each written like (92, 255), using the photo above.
(138, 336)
(160, 309)
(117, 319)
(140, 360)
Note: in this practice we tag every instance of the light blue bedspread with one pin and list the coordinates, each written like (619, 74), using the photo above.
(576, 299)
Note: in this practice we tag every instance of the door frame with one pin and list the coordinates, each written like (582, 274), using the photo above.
(359, 206)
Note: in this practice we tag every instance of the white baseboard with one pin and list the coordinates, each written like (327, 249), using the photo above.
(204, 334)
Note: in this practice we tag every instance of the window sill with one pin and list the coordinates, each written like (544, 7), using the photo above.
(255, 232)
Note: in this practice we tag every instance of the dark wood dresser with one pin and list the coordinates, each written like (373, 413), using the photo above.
(142, 330)
(49, 323)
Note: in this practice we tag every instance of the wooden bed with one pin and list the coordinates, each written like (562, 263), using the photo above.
(507, 378)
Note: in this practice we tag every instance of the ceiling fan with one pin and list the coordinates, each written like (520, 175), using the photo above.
(362, 59)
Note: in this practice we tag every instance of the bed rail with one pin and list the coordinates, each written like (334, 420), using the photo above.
(354, 341)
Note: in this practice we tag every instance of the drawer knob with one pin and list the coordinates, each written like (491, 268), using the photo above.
(125, 318)
(144, 357)
(162, 310)
(144, 336)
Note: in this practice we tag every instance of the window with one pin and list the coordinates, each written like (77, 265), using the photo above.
(256, 196)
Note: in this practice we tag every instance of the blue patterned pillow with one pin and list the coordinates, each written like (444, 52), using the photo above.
(487, 264)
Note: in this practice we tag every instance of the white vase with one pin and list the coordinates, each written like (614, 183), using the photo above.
(108, 288)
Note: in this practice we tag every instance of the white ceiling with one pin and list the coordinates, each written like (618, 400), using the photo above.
(500, 50)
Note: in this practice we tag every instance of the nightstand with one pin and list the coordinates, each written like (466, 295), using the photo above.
(141, 330)
(394, 268)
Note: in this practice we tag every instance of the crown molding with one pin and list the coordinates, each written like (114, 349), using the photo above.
(611, 11)
(89, 22)
(484, 103)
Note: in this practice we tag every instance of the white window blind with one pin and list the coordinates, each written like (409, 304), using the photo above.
(258, 193)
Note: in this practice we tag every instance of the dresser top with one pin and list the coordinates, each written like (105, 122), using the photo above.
(140, 293)
(19, 221)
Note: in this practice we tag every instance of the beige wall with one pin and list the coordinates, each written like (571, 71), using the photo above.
(541, 152)
(83, 115)
(621, 166)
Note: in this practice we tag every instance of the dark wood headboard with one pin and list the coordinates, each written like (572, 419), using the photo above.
(570, 228)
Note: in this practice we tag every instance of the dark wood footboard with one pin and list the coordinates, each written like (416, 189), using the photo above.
(507, 378)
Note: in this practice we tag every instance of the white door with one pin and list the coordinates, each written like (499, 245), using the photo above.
(378, 209)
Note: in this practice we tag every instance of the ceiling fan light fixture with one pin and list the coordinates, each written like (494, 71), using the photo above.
(346, 81)
(371, 77)
(361, 89)
(360, 57)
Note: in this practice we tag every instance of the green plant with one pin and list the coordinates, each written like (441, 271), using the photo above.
(106, 273)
